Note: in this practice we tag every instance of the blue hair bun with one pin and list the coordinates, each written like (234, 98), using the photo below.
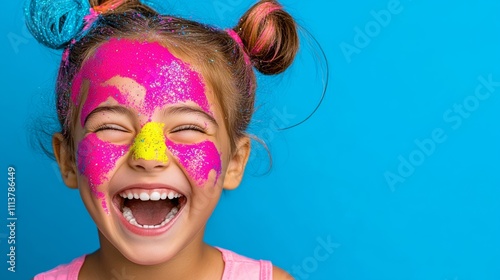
(55, 23)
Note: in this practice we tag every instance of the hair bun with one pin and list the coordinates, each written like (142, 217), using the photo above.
(55, 23)
(270, 35)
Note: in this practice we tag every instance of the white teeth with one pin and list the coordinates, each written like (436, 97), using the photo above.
(144, 196)
(134, 222)
(155, 196)
(127, 214)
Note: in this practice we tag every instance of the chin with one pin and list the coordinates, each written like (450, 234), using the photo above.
(150, 224)
(150, 255)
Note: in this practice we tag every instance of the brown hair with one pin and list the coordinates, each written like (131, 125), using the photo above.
(269, 40)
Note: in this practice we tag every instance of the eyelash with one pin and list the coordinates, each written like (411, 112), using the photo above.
(178, 129)
(106, 127)
(188, 127)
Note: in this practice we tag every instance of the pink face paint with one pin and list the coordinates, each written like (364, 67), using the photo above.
(95, 159)
(157, 79)
(197, 159)
(165, 78)
(99, 95)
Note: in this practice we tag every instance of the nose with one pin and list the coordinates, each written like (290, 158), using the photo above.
(148, 165)
(149, 152)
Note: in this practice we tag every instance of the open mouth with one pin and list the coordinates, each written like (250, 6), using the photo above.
(149, 209)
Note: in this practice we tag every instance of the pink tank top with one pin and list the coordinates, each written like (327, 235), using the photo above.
(236, 267)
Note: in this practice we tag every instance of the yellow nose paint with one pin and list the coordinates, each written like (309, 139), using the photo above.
(149, 144)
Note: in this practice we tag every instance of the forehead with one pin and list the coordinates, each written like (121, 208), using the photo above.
(164, 78)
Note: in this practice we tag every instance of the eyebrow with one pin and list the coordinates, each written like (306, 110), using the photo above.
(112, 109)
(190, 110)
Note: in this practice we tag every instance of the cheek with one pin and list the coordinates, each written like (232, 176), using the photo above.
(197, 159)
(95, 158)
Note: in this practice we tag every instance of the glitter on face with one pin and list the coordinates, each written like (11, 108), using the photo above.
(95, 159)
(145, 77)
(149, 144)
(99, 95)
(197, 159)
(166, 79)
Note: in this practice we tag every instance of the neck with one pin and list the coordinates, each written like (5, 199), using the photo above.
(197, 260)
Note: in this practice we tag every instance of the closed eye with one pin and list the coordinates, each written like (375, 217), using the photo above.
(110, 127)
(112, 133)
(188, 127)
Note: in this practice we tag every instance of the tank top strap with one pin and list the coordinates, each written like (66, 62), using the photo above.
(237, 267)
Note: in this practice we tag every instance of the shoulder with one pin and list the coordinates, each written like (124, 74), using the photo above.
(241, 267)
(63, 271)
(280, 274)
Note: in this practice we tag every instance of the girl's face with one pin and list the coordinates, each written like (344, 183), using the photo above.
(152, 149)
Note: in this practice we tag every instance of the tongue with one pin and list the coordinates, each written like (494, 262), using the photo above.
(149, 212)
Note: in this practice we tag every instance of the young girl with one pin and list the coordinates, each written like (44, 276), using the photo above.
(153, 111)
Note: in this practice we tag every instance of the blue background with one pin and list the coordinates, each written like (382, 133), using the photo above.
(440, 219)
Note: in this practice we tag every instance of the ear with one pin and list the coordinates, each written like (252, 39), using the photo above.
(237, 163)
(64, 159)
